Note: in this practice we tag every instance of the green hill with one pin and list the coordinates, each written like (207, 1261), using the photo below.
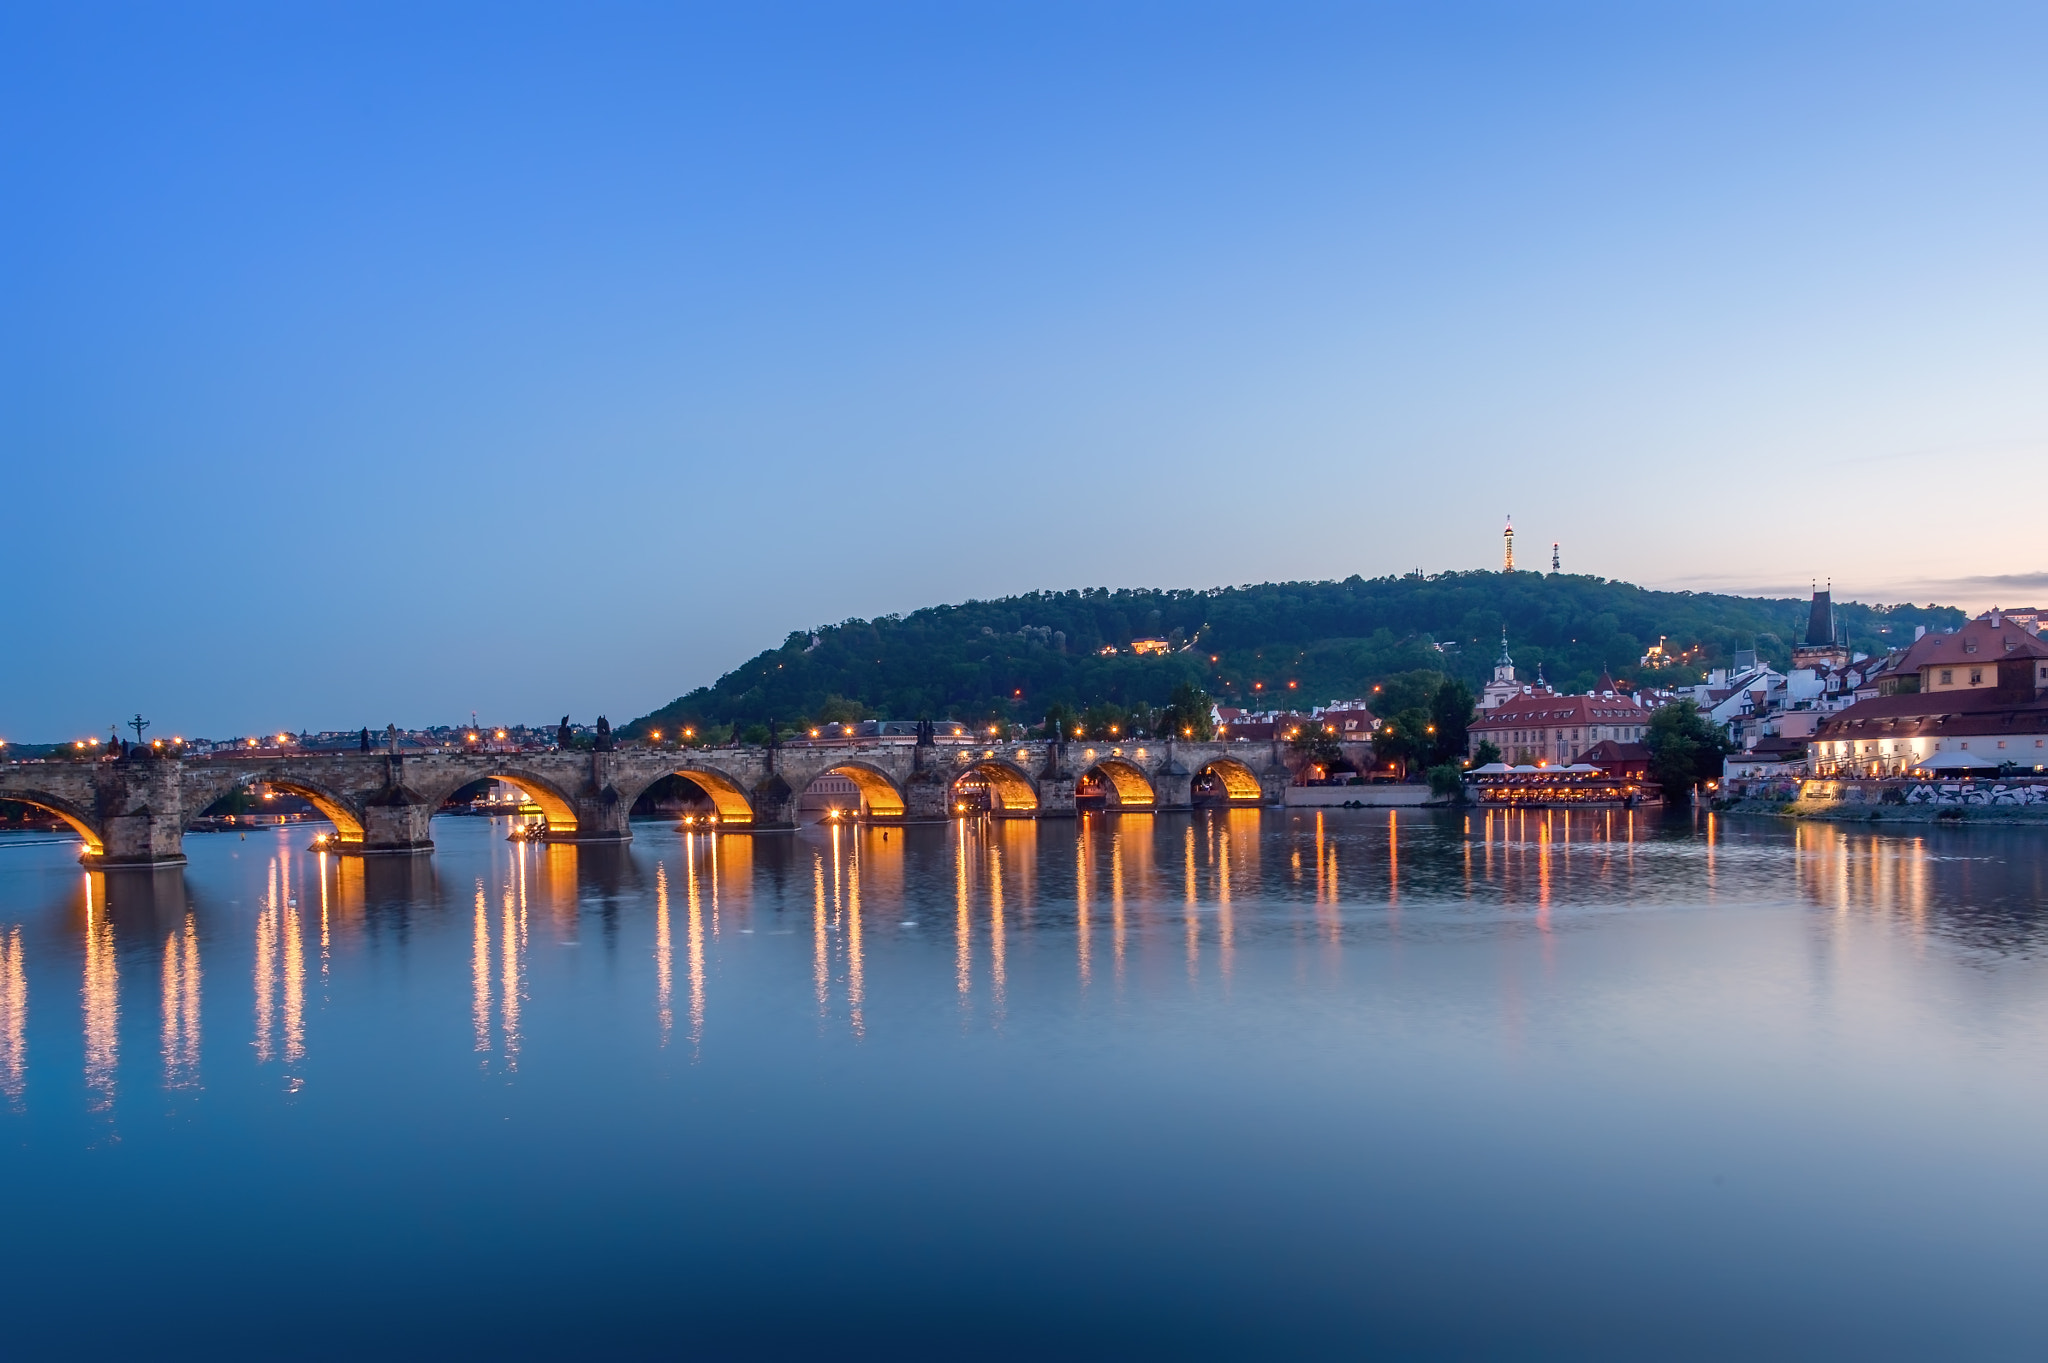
(1287, 642)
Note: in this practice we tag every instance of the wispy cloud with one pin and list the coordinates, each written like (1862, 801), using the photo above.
(1970, 593)
(2008, 583)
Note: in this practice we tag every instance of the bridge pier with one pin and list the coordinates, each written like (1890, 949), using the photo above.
(774, 806)
(927, 798)
(1056, 784)
(141, 813)
(395, 820)
(142, 819)
(1173, 785)
(601, 816)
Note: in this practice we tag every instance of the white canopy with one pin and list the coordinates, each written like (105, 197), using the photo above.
(1491, 769)
(1583, 767)
(1525, 767)
(1956, 761)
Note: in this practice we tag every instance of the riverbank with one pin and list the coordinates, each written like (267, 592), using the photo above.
(1842, 811)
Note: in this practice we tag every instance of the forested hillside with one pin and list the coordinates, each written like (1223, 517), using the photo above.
(1291, 642)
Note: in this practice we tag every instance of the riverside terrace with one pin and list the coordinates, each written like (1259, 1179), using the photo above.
(134, 810)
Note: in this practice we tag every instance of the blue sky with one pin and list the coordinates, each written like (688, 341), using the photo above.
(368, 363)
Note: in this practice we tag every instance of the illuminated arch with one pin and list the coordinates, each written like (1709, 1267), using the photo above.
(1240, 784)
(559, 809)
(1128, 783)
(877, 792)
(1008, 785)
(75, 818)
(347, 826)
(725, 794)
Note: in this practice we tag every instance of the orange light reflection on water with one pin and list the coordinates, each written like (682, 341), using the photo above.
(181, 1006)
(13, 1019)
(101, 1000)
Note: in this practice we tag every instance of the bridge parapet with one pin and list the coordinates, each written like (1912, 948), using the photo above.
(135, 811)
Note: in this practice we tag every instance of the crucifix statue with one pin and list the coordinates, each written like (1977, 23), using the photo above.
(138, 724)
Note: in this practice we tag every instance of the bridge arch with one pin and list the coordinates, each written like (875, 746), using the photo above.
(348, 825)
(727, 796)
(555, 804)
(879, 794)
(1240, 783)
(1011, 790)
(1125, 783)
(77, 820)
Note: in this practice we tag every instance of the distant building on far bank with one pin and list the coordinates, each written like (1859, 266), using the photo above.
(1823, 646)
(1542, 727)
(1977, 698)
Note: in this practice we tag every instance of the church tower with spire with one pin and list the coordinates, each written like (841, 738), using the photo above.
(1503, 687)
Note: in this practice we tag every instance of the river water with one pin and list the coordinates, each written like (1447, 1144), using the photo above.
(1276, 1083)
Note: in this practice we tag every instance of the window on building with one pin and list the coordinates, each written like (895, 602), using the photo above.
(1976, 676)
(1948, 677)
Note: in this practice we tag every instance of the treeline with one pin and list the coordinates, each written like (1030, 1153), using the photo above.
(1290, 643)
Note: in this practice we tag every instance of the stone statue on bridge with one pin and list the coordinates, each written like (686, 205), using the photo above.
(604, 734)
(562, 735)
(363, 743)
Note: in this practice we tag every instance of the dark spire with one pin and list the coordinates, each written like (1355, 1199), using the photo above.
(1820, 619)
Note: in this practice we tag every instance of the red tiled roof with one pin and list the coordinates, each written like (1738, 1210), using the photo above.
(1991, 642)
(1963, 713)
(1536, 711)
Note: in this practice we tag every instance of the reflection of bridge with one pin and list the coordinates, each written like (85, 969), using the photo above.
(135, 810)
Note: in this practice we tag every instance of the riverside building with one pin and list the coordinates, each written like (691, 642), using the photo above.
(1976, 699)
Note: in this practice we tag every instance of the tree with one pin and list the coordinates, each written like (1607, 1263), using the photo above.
(1316, 743)
(838, 709)
(1686, 749)
(1186, 714)
(1485, 754)
(1106, 722)
(1415, 690)
(1446, 781)
(1450, 710)
(1407, 739)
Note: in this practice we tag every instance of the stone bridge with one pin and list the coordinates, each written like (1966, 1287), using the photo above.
(135, 810)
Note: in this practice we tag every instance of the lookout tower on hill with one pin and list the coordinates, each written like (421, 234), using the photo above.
(1507, 539)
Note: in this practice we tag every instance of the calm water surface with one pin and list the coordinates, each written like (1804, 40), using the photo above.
(1273, 1084)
